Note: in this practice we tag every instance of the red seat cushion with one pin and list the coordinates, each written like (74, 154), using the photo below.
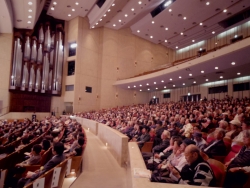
(236, 148)
(218, 173)
(229, 156)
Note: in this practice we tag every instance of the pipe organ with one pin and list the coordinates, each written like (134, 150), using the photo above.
(38, 60)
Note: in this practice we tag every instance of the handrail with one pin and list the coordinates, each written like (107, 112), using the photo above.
(4, 113)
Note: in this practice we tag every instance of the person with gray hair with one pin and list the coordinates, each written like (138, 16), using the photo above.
(245, 126)
(240, 165)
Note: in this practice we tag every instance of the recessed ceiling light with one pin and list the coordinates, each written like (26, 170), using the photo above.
(120, 20)
(134, 86)
(52, 8)
(29, 3)
(194, 82)
(138, 31)
(139, 2)
(77, 3)
(176, 47)
(108, 10)
(166, 40)
(140, 90)
(207, 3)
(54, 3)
(113, 4)
(154, 82)
(29, 22)
(29, 16)
(73, 9)
(200, 49)
(100, 20)
(128, 86)
(104, 15)
(93, 26)
(156, 88)
(162, 81)
(153, 22)
(69, 15)
(235, 36)
(225, 10)
(170, 79)
(96, 23)
(233, 63)
(114, 25)
(193, 40)
(132, 9)
(185, 18)
(181, 33)
(183, 84)
(206, 80)
(151, 37)
(165, 87)
(238, 73)
(126, 15)
(173, 85)
(31, 10)
(216, 67)
(221, 76)
(179, 76)
(170, 10)
(216, 43)
(213, 32)
(140, 85)
(148, 89)
(201, 23)
(190, 74)
(166, 28)
(147, 84)
(202, 71)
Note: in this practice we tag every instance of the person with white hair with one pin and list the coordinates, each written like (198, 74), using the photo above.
(234, 125)
(245, 126)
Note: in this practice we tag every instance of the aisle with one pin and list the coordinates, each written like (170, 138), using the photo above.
(100, 169)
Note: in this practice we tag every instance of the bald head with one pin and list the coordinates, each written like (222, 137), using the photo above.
(192, 153)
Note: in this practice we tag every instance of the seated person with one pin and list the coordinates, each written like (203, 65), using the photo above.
(245, 126)
(222, 126)
(78, 149)
(57, 151)
(240, 165)
(197, 171)
(24, 142)
(187, 129)
(199, 141)
(234, 124)
(145, 137)
(8, 150)
(216, 147)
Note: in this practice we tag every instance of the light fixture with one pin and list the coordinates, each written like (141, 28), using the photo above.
(29, 3)
(113, 4)
(148, 89)
(170, 10)
(201, 23)
(93, 26)
(138, 31)
(173, 85)
(147, 84)
(193, 40)
(69, 15)
(225, 10)
(170, 79)
(206, 80)
(207, 3)
(96, 23)
(216, 67)
(156, 88)
(29, 16)
(154, 82)
(235, 36)
(73, 45)
(108, 10)
(140, 90)
(77, 3)
(181, 33)
(233, 63)
(213, 32)
(200, 49)
(31, 10)
(134, 86)
(190, 74)
(114, 25)
(185, 18)
(104, 15)
(179, 76)
(132, 9)
(54, 3)
(221, 76)
(216, 43)
(100, 20)
(176, 47)
(139, 2)
(120, 20)
(238, 73)
(183, 84)
(128, 86)
(166, 28)
(73, 9)
(167, 3)
(151, 37)
(153, 22)
(126, 15)
(140, 85)
(162, 81)
(202, 71)
(194, 82)
(29, 22)
(165, 87)
(166, 40)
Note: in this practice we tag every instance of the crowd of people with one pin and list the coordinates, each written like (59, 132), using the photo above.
(64, 137)
(183, 133)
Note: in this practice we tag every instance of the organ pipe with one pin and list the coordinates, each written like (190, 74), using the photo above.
(27, 49)
(33, 51)
(40, 54)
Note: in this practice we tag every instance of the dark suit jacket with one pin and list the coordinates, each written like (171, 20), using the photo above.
(142, 139)
(219, 149)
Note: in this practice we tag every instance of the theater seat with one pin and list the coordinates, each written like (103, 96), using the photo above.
(219, 171)
(234, 150)
(147, 147)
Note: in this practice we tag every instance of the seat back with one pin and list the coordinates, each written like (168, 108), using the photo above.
(204, 156)
(2, 178)
(147, 147)
(46, 156)
(76, 163)
(219, 171)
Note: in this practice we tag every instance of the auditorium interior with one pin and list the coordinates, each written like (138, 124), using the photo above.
(124, 93)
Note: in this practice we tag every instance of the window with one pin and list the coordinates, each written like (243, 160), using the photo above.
(71, 68)
(72, 49)
(69, 88)
(100, 3)
(166, 95)
(241, 86)
(88, 89)
(218, 89)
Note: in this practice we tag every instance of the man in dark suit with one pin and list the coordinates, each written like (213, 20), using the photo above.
(216, 147)
(58, 157)
(145, 137)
